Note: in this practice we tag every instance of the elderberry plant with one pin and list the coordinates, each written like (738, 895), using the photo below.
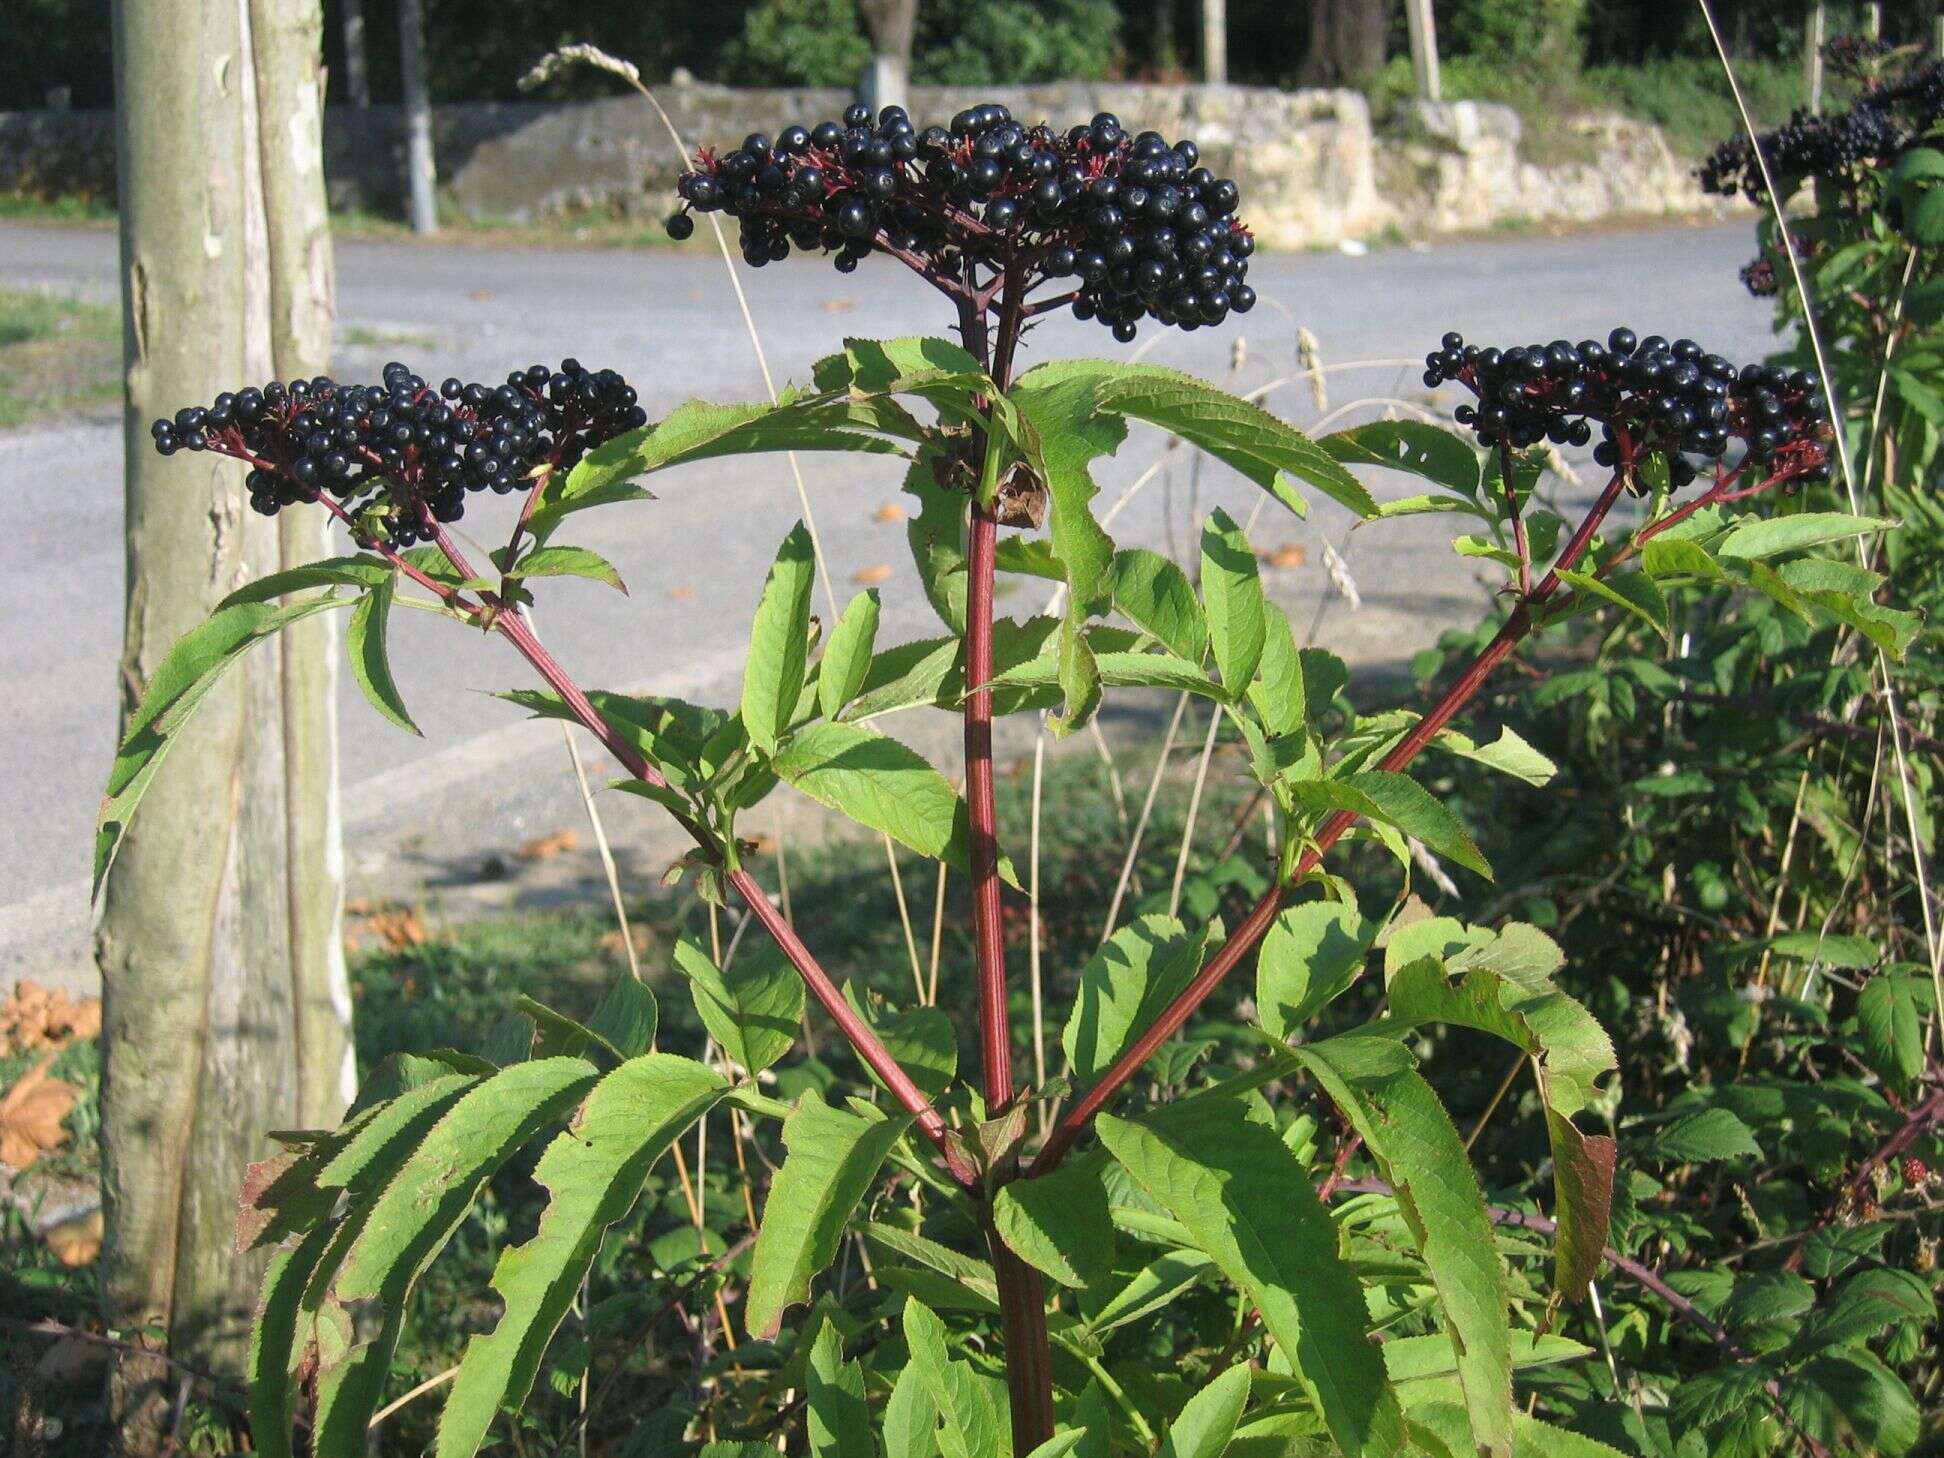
(1367, 1314)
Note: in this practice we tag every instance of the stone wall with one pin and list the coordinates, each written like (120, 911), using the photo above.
(1313, 168)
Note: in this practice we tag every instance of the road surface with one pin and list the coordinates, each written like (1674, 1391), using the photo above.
(424, 815)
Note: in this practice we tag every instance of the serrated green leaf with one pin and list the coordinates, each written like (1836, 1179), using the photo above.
(192, 667)
(364, 645)
(830, 1159)
(1250, 1206)
(593, 1175)
(1890, 1019)
(1059, 1222)
(273, 1345)
(1664, 558)
(919, 1038)
(779, 641)
(1207, 1421)
(884, 785)
(1372, 1082)
(1634, 591)
(360, 572)
(1120, 670)
(972, 1426)
(1125, 985)
(1509, 754)
(910, 1417)
(752, 1009)
(837, 1421)
(1427, 451)
(1310, 955)
(412, 1218)
(1708, 1135)
(1852, 1392)
(1279, 694)
(1232, 592)
(1152, 1287)
(936, 535)
(1155, 595)
(567, 562)
(1769, 536)
(1398, 800)
(847, 660)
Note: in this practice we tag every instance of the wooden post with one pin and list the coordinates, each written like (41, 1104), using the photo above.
(1423, 30)
(202, 915)
(892, 26)
(1812, 56)
(420, 173)
(357, 72)
(1215, 42)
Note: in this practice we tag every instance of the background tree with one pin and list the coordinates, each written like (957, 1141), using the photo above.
(1347, 41)
(227, 1007)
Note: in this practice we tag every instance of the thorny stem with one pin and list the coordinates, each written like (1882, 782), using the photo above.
(869, 1047)
(1516, 626)
(1917, 1122)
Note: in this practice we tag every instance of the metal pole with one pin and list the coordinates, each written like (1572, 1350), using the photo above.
(418, 117)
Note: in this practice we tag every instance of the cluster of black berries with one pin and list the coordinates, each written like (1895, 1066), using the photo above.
(403, 443)
(1759, 279)
(1883, 122)
(1142, 227)
(1651, 396)
(1855, 56)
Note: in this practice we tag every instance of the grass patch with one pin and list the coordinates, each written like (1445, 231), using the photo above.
(58, 356)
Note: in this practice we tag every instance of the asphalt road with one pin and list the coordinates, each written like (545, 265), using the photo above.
(424, 814)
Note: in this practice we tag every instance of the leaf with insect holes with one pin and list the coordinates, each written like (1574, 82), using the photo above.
(412, 1218)
(753, 1008)
(1374, 1083)
(1412, 446)
(883, 785)
(192, 667)
(779, 642)
(1310, 956)
(847, 659)
(1248, 1203)
(370, 661)
(1156, 596)
(830, 1158)
(1398, 800)
(1232, 594)
(1060, 1223)
(593, 1175)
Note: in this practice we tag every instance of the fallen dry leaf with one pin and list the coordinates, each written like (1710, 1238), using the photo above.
(873, 575)
(75, 1242)
(35, 1017)
(1289, 554)
(838, 306)
(481, 296)
(639, 935)
(546, 847)
(31, 1115)
(681, 592)
(397, 927)
(889, 512)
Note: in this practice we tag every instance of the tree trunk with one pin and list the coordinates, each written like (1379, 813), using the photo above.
(1215, 41)
(1422, 27)
(892, 26)
(1162, 42)
(220, 916)
(420, 172)
(357, 71)
(1346, 41)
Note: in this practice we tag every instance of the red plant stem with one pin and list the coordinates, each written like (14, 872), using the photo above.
(867, 1043)
(1028, 1355)
(1517, 624)
(988, 935)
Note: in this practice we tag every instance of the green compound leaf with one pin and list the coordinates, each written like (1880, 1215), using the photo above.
(1125, 985)
(972, 1424)
(1207, 1421)
(1442, 972)
(1156, 596)
(830, 1158)
(594, 1174)
(192, 667)
(1372, 1081)
(881, 784)
(410, 1221)
(566, 562)
(847, 661)
(1232, 592)
(364, 645)
(1400, 801)
(1311, 954)
(1060, 1223)
(1248, 1204)
(752, 1009)
(837, 1421)
(779, 643)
